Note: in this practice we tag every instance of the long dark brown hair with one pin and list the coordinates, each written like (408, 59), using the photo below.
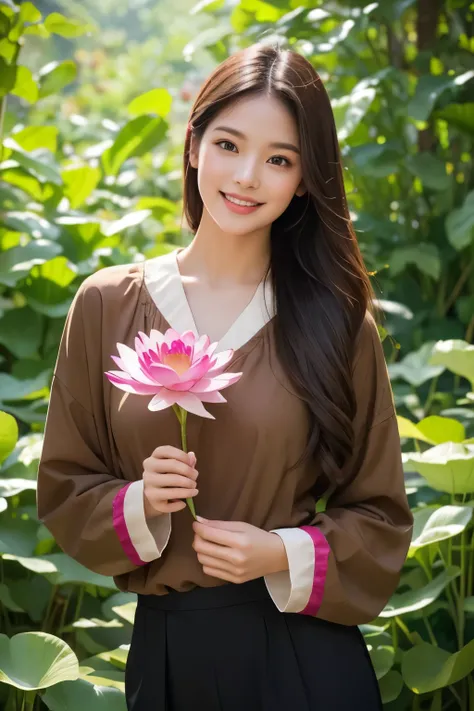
(321, 286)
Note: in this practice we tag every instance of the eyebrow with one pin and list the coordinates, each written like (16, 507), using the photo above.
(239, 134)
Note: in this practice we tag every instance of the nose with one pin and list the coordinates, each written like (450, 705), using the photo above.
(246, 175)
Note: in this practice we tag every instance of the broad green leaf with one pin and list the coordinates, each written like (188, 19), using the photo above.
(156, 101)
(30, 223)
(33, 137)
(17, 262)
(456, 355)
(413, 600)
(81, 694)
(48, 286)
(55, 76)
(58, 24)
(7, 77)
(441, 429)
(206, 38)
(24, 342)
(351, 109)
(416, 367)
(12, 487)
(460, 224)
(126, 612)
(407, 428)
(7, 600)
(70, 571)
(32, 594)
(109, 678)
(131, 220)
(8, 49)
(460, 116)
(39, 168)
(140, 135)
(426, 668)
(17, 537)
(36, 660)
(117, 657)
(79, 183)
(3, 504)
(469, 604)
(390, 686)
(19, 177)
(120, 601)
(14, 389)
(95, 622)
(428, 90)
(377, 160)
(430, 170)
(25, 86)
(425, 257)
(435, 524)
(447, 467)
(382, 656)
(8, 435)
(36, 564)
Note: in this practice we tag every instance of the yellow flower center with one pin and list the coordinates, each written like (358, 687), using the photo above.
(180, 362)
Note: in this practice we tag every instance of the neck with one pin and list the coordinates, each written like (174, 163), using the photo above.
(220, 259)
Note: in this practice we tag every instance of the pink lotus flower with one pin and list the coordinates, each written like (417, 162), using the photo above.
(178, 371)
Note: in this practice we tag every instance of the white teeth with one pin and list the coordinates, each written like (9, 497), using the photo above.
(240, 202)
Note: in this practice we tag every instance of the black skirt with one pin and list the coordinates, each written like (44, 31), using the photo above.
(229, 648)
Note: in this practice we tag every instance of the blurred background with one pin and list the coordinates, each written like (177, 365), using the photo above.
(94, 102)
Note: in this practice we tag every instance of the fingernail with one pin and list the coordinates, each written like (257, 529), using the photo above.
(201, 519)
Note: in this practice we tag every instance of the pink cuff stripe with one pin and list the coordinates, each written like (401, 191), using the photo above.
(321, 555)
(120, 525)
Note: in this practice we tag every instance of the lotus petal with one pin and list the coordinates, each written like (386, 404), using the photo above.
(206, 385)
(193, 404)
(132, 365)
(124, 382)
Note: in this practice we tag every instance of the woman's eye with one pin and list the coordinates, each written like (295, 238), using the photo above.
(225, 143)
(287, 162)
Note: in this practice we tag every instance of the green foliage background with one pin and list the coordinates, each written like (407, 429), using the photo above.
(94, 99)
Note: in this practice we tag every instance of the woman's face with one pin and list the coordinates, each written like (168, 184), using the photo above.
(242, 155)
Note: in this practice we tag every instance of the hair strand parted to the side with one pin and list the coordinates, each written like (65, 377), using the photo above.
(321, 285)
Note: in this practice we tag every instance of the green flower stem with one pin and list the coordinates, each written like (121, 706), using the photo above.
(405, 629)
(182, 415)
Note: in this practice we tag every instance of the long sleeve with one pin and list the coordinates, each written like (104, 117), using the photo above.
(345, 563)
(96, 517)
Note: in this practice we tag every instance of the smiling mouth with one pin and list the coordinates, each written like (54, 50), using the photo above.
(240, 203)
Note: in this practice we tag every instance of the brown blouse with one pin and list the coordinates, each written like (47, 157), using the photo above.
(345, 562)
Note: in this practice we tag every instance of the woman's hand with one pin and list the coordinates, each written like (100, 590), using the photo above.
(169, 475)
(236, 551)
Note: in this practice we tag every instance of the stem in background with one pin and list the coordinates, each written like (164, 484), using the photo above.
(469, 331)
(462, 588)
(405, 629)
(80, 598)
(457, 289)
(3, 109)
(431, 393)
(431, 634)
(44, 627)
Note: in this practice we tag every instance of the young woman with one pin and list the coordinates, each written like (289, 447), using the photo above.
(258, 607)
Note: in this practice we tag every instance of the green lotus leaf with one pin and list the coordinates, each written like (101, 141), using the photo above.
(126, 612)
(447, 467)
(426, 668)
(434, 524)
(390, 686)
(8, 435)
(456, 355)
(81, 694)
(422, 597)
(36, 660)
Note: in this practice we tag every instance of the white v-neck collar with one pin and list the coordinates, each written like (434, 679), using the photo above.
(164, 284)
